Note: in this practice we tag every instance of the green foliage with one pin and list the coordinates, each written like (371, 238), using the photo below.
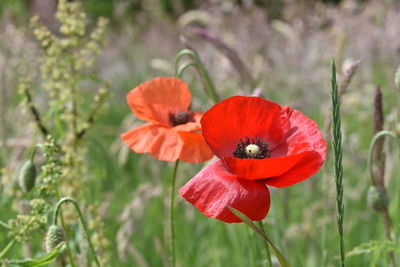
(49, 258)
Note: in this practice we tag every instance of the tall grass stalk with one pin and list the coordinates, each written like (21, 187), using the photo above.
(337, 153)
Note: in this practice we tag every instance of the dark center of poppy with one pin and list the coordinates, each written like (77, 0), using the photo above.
(255, 148)
(180, 118)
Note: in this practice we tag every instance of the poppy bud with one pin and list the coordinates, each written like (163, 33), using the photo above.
(55, 235)
(27, 176)
(377, 198)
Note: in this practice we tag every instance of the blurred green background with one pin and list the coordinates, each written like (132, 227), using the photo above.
(284, 48)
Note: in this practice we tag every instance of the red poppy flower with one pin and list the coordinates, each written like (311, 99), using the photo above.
(172, 131)
(259, 143)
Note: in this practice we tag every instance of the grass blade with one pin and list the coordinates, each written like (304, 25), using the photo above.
(49, 258)
(282, 260)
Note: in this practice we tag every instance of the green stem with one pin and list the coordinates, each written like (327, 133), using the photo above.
(261, 225)
(386, 216)
(172, 214)
(83, 222)
(11, 243)
(5, 225)
(374, 140)
(64, 226)
(7, 248)
(179, 72)
(338, 153)
(211, 91)
(34, 152)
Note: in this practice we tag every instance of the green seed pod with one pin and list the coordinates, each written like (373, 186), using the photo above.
(377, 198)
(55, 235)
(27, 176)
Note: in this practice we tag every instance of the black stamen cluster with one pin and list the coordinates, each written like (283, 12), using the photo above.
(240, 151)
(180, 118)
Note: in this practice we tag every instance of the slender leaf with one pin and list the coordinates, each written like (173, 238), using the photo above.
(49, 258)
(282, 260)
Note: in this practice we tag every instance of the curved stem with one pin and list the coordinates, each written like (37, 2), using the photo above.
(376, 137)
(64, 226)
(386, 216)
(83, 222)
(172, 214)
(261, 225)
(181, 54)
(202, 71)
(179, 71)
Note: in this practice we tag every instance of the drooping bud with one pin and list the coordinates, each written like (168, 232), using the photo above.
(55, 235)
(27, 176)
(377, 198)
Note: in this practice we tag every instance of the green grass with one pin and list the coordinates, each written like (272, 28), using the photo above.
(302, 219)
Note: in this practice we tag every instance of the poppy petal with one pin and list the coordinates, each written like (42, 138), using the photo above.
(162, 143)
(255, 169)
(238, 117)
(213, 189)
(303, 136)
(306, 167)
(154, 100)
(195, 149)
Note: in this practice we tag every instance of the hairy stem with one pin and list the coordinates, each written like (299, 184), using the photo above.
(64, 226)
(172, 214)
(82, 220)
(372, 145)
(209, 85)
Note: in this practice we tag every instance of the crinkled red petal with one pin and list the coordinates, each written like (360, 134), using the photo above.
(213, 189)
(303, 136)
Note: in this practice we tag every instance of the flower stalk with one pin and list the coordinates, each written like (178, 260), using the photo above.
(379, 182)
(196, 62)
(172, 214)
(82, 220)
